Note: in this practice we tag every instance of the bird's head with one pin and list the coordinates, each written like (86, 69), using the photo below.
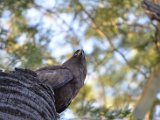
(78, 57)
(79, 53)
(77, 64)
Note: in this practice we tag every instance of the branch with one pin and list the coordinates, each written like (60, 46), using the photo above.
(148, 95)
(70, 28)
(101, 33)
(157, 37)
(152, 111)
(151, 9)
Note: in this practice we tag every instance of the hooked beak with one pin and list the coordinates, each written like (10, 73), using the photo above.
(79, 52)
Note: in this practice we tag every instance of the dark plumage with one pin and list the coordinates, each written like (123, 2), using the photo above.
(66, 80)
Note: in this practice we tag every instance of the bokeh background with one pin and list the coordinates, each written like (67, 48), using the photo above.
(116, 35)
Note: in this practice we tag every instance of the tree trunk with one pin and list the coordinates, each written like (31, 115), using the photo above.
(24, 97)
(148, 95)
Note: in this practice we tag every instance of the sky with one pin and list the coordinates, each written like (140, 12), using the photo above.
(58, 38)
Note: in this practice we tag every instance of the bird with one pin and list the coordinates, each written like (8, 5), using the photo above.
(66, 80)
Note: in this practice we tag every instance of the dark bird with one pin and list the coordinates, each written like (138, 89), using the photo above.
(151, 9)
(66, 79)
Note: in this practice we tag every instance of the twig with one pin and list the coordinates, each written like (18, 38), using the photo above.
(101, 33)
(70, 28)
(156, 36)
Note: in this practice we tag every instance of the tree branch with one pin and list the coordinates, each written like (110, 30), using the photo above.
(101, 33)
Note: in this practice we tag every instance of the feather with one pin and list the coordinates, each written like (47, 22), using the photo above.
(66, 80)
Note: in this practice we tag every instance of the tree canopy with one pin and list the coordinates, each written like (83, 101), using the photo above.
(117, 37)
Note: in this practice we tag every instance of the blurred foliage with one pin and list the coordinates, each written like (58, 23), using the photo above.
(117, 36)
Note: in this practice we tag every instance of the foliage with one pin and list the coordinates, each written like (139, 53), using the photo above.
(117, 36)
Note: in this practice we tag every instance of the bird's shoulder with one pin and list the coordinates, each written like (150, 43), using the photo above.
(57, 76)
